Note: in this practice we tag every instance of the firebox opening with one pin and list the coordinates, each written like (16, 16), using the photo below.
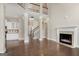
(66, 38)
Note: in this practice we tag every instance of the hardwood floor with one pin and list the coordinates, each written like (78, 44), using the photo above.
(39, 48)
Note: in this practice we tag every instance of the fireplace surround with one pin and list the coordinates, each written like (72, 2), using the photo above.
(68, 36)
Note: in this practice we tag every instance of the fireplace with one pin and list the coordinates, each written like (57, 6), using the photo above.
(66, 38)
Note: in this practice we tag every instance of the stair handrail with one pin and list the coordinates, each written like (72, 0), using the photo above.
(36, 28)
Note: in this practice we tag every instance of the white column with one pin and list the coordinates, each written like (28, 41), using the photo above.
(26, 28)
(41, 18)
(2, 30)
(26, 31)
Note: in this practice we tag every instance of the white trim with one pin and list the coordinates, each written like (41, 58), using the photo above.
(26, 41)
(41, 39)
(52, 39)
(3, 51)
(77, 46)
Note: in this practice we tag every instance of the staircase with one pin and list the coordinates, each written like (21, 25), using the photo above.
(35, 33)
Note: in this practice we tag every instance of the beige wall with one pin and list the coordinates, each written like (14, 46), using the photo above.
(61, 15)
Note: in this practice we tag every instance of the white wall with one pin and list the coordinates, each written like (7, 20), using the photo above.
(2, 30)
(21, 28)
(12, 10)
(62, 15)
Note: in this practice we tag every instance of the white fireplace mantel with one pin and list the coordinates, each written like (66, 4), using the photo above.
(70, 30)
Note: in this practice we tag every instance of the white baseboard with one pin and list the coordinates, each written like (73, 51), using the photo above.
(40, 39)
(26, 41)
(3, 51)
(77, 46)
(52, 39)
